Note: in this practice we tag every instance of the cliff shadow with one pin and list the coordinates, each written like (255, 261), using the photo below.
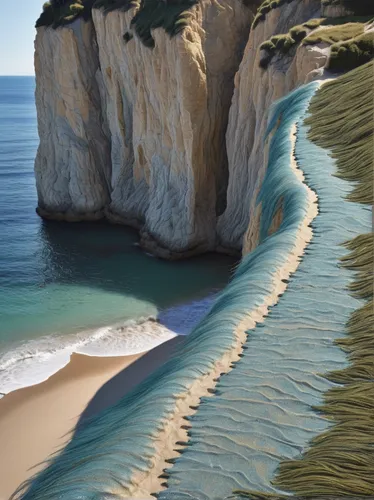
(126, 380)
(107, 257)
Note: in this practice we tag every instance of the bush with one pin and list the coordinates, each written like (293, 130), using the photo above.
(351, 54)
(335, 34)
(172, 17)
(109, 5)
(298, 33)
(281, 43)
(266, 7)
(61, 12)
(343, 29)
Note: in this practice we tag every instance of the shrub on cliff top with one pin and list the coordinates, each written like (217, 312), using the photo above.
(342, 29)
(266, 7)
(172, 16)
(352, 53)
(109, 5)
(61, 12)
(335, 34)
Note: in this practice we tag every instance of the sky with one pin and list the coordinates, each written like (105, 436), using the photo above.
(17, 33)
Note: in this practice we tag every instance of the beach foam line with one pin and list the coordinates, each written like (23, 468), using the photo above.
(35, 361)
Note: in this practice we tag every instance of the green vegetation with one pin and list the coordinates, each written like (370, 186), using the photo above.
(279, 43)
(351, 54)
(335, 34)
(357, 7)
(350, 29)
(282, 43)
(59, 13)
(171, 15)
(340, 460)
(109, 5)
(345, 125)
(266, 7)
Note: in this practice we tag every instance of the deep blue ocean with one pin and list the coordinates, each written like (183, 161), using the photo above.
(78, 287)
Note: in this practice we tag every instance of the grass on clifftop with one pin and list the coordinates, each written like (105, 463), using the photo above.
(171, 15)
(61, 12)
(335, 34)
(353, 53)
(340, 460)
(354, 7)
(266, 7)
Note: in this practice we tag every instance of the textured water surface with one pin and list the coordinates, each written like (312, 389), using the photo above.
(263, 412)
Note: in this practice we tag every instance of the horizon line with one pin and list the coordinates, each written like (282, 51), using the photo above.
(29, 74)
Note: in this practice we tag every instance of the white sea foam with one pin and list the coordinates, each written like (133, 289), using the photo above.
(36, 360)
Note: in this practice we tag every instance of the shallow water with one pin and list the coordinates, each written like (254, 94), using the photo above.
(63, 284)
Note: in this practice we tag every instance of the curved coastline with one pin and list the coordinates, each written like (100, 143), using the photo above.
(142, 417)
(281, 363)
(281, 379)
(37, 360)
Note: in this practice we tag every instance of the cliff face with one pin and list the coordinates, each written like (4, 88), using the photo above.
(72, 166)
(166, 111)
(163, 111)
(168, 140)
(255, 90)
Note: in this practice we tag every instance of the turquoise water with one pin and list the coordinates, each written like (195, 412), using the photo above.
(63, 285)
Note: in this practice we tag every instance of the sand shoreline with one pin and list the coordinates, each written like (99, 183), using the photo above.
(38, 420)
(174, 429)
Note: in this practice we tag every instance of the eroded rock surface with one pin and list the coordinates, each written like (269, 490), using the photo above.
(139, 133)
(72, 166)
(255, 90)
(166, 111)
(147, 137)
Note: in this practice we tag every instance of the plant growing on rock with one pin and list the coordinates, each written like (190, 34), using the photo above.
(341, 30)
(266, 7)
(335, 34)
(58, 13)
(352, 53)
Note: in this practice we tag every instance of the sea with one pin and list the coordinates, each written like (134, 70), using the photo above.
(80, 287)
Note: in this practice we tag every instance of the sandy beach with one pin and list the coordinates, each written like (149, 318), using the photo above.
(37, 421)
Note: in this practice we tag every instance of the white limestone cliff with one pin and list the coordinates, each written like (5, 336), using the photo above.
(255, 90)
(138, 134)
(72, 166)
(166, 110)
(147, 137)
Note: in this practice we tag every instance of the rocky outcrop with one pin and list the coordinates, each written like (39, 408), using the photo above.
(166, 112)
(72, 166)
(163, 111)
(146, 137)
(255, 90)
